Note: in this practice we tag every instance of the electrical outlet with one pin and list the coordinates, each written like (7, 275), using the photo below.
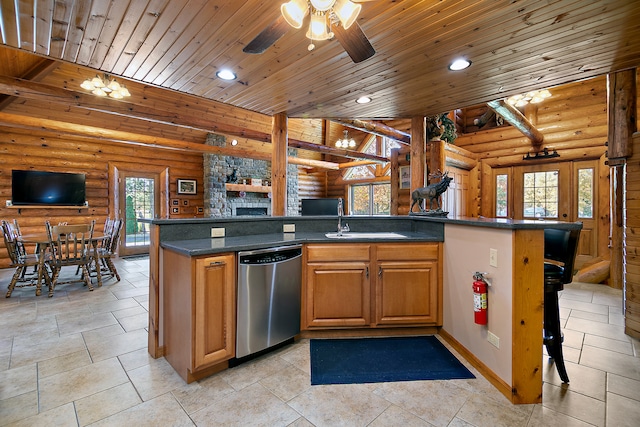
(493, 257)
(217, 232)
(493, 339)
(288, 228)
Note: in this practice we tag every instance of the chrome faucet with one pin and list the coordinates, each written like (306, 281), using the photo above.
(340, 213)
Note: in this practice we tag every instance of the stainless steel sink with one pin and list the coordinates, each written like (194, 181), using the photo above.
(374, 235)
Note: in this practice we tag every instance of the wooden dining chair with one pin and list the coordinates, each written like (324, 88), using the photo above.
(70, 245)
(107, 249)
(21, 261)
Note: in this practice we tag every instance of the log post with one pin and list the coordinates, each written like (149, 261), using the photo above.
(621, 114)
(418, 134)
(279, 165)
(395, 182)
(622, 124)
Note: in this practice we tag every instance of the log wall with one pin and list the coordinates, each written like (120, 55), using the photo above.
(632, 242)
(22, 150)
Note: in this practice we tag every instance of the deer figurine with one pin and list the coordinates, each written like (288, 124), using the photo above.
(430, 192)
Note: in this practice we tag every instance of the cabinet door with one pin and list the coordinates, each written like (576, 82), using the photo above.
(214, 310)
(338, 294)
(406, 293)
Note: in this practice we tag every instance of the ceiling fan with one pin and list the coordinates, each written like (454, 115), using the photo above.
(328, 18)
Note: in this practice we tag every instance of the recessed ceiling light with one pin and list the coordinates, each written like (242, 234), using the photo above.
(234, 142)
(226, 74)
(459, 64)
(363, 100)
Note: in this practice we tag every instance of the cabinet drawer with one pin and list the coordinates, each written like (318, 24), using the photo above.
(407, 251)
(339, 252)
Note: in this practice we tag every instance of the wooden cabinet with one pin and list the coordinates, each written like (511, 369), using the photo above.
(407, 284)
(372, 285)
(337, 288)
(199, 312)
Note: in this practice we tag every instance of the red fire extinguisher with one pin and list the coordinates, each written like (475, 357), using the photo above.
(480, 286)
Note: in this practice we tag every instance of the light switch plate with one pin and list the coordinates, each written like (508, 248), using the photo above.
(217, 232)
(493, 339)
(493, 257)
(288, 228)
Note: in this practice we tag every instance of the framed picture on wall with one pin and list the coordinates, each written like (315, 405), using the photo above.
(405, 176)
(187, 186)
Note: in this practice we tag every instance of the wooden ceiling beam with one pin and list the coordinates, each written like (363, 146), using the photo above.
(376, 128)
(41, 92)
(514, 117)
(38, 72)
(336, 151)
(93, 132)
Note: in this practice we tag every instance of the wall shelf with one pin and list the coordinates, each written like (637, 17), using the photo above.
(20, 207)
(248, 188)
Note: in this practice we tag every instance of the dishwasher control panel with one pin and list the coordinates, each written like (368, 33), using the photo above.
(270, 257)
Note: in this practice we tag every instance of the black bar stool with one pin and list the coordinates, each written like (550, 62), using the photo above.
(560, 248)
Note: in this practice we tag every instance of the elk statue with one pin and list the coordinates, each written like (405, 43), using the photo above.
(431, 192)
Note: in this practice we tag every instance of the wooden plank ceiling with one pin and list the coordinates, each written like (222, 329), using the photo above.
(179, 45)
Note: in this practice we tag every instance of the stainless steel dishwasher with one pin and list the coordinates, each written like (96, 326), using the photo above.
(269, 286)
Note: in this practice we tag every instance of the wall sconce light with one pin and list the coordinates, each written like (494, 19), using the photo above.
(541, 156)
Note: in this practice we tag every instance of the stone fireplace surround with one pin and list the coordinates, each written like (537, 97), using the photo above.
(222, 203)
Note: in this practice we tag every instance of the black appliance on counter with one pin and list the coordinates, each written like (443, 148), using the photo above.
(325, 206)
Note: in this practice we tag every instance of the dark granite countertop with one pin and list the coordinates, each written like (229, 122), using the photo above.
(188, 236)
(506, 223)
(209, 246)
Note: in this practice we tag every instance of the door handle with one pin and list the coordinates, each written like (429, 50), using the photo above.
(379, 271)
(213, 263)
(367, 272)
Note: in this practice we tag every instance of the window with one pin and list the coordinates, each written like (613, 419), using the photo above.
(501, 195)
(585, 193)
(370, 199)
(541, 194)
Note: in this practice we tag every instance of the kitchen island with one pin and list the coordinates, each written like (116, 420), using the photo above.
(461, 247)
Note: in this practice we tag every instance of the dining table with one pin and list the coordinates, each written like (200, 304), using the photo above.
(41, 240)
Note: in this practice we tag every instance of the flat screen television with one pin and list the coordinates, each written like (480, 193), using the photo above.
(47, 188)
(319, 207)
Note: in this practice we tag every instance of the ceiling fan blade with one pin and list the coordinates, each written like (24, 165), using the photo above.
(268, 36)
(355, 42)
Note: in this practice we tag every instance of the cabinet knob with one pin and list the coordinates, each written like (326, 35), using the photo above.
(379, 271)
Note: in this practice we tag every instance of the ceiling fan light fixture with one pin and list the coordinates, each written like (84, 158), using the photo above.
(318, 28)
(322, 5)
(459, 64)
(347, 11)
(294, 12)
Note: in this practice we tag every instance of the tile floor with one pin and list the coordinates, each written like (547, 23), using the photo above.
(80, 359)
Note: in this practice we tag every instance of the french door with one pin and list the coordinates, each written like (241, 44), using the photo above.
(139, 199)
(566, 191)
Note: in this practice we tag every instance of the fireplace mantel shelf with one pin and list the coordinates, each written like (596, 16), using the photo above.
(248, 188)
